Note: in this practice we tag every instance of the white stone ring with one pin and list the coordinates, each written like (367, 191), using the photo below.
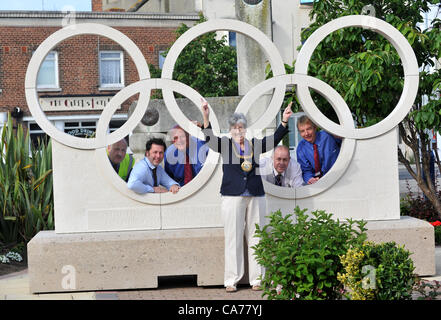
(344, 116)
(268, 47)
(37, 59)
(346, 128)
(103, 163)
(303, 82)
(411, 76)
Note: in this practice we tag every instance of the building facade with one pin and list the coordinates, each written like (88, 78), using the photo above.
(81, 74)
(288, 18)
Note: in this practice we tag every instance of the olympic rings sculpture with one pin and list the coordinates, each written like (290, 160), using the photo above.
(345, 129)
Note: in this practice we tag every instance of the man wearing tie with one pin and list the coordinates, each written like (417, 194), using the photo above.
(147, 175)
(281, 170)
(317, 151)
(184, 158)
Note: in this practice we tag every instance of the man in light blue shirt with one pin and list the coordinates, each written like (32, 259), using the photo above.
(147, 175)
(316, 152)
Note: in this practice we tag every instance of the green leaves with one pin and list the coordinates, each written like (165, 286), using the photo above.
(366, 71)
(300, 252)
(207, 64)
(362, 65)
(388, 272)
(26, 196)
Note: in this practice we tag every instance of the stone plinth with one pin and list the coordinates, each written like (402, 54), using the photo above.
(416, 235)
(135, 259)
(123, 260)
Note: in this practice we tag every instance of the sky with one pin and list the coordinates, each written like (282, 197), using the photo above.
(48, 5)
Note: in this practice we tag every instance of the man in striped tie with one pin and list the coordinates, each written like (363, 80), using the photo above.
(280, 169)
(317, 151)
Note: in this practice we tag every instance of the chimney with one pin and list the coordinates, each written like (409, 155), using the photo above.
(97, 5)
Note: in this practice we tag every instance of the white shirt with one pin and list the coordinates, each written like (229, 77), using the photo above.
(291, 178)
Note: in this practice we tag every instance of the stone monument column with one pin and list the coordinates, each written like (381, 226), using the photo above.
(251, 60)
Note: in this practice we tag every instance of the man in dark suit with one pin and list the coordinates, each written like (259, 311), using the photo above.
(280, 169)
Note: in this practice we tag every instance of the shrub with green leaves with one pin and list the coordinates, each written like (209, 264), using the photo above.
(381, 271)
(301, 258)
(26, 195)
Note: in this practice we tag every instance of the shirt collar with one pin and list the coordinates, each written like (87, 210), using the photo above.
(151, 166)
(276, 173)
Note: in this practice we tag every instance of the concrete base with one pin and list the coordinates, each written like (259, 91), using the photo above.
(135, 259)
(123, 260)
(416, 235)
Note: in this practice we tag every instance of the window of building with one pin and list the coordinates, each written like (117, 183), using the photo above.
(306, 1)
(78, 127)
(111, 68)
(48, 73)
(82, 129)
(115, 124)
(37, 135)
(3, 118)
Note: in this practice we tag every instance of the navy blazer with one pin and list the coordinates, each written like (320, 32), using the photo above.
(234, 179)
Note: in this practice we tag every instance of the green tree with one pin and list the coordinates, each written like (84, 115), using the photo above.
(206, 64)
(366, 70)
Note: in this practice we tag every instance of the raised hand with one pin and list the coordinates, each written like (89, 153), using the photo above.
(197, 123)
(205, 112)
(287, 113)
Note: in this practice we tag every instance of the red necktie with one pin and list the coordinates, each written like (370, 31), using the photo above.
(188, 173)
(316, 160)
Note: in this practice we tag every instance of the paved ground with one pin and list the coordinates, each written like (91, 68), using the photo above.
(16, 287)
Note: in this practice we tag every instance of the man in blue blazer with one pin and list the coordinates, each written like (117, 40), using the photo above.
(185, 157)
(317, 151)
